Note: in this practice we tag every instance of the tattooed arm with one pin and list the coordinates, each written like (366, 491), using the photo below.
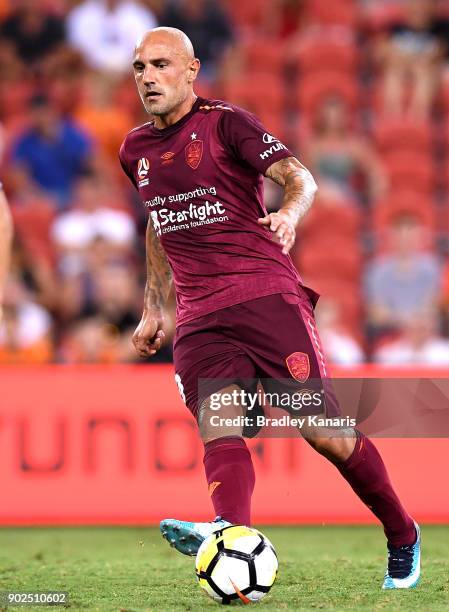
(149, 335)
(299, 191)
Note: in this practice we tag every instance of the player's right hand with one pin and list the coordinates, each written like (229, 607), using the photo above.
(148, 337)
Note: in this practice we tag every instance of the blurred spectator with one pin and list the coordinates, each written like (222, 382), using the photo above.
(92, 217)
(207, 25)
(116, 296)
(78, 273)
(400, 283)
(341, 347)
(32, 30)
(33, 251)
(411, 52)
(103, 330)
(25, 333)
(90, 340)
(336, 153)
(53, 150)
(106, 31)
(63, 74)
(419, 343)
(101, 115)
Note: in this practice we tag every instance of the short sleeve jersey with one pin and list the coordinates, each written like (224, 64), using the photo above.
(201, 180)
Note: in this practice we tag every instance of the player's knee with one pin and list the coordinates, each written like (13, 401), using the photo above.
(336, 445)
(219, 416)
(321, 445)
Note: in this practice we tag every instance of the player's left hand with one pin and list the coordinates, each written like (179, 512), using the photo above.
(283, 228)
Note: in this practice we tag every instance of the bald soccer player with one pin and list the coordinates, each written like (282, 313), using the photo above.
(5, 243)
(243, 313)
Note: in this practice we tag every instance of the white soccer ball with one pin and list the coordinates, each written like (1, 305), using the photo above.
(236, 563)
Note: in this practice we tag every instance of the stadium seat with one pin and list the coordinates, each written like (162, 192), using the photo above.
(399, 134)
(345, 294)
(318, 54)
(248, 13)
(331, 218)
(262, 55)
(342, 12)
(340, 255)
(33, 222)
(405, 202)
(410, 170)
(257, 93)
(14, 98)
(314, 87)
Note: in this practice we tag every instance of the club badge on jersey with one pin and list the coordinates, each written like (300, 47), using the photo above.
(194, 152)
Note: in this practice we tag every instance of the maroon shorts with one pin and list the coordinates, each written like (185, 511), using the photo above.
(270, 338)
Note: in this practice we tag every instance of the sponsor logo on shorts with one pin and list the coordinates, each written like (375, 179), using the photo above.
(299, 366)
(194, 153)
(143, 167)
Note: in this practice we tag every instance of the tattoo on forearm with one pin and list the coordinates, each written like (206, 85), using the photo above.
(299, 186)
(159, 273)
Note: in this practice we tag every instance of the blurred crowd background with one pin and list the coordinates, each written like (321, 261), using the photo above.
(359, 90)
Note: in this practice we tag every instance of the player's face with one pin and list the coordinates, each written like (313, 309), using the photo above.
(164, 76)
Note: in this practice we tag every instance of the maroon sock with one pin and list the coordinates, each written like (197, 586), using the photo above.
(366, 473)
(230, 476)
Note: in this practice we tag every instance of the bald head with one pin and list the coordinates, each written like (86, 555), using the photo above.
(165, 69)
(179, 42)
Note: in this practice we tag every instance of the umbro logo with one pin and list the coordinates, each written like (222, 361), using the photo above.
(167, 158)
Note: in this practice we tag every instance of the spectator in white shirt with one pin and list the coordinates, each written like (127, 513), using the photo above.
(340, 346)
(91, 218)
(106, 31)
(419, 343)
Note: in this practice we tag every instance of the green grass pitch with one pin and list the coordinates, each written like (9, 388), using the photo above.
(127, 569)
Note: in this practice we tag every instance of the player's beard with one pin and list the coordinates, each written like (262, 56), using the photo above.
(165, 106)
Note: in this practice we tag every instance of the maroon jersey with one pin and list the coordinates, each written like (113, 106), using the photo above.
(201, 179)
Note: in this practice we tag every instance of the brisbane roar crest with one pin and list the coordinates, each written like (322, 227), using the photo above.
(299, 366)
(194, 153)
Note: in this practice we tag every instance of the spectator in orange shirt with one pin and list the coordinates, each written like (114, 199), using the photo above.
(102, 117)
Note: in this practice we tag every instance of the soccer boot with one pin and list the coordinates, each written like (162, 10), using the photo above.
(187, 537)
(404, 565)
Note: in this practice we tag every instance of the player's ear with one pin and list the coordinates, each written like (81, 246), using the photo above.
(194, 68)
